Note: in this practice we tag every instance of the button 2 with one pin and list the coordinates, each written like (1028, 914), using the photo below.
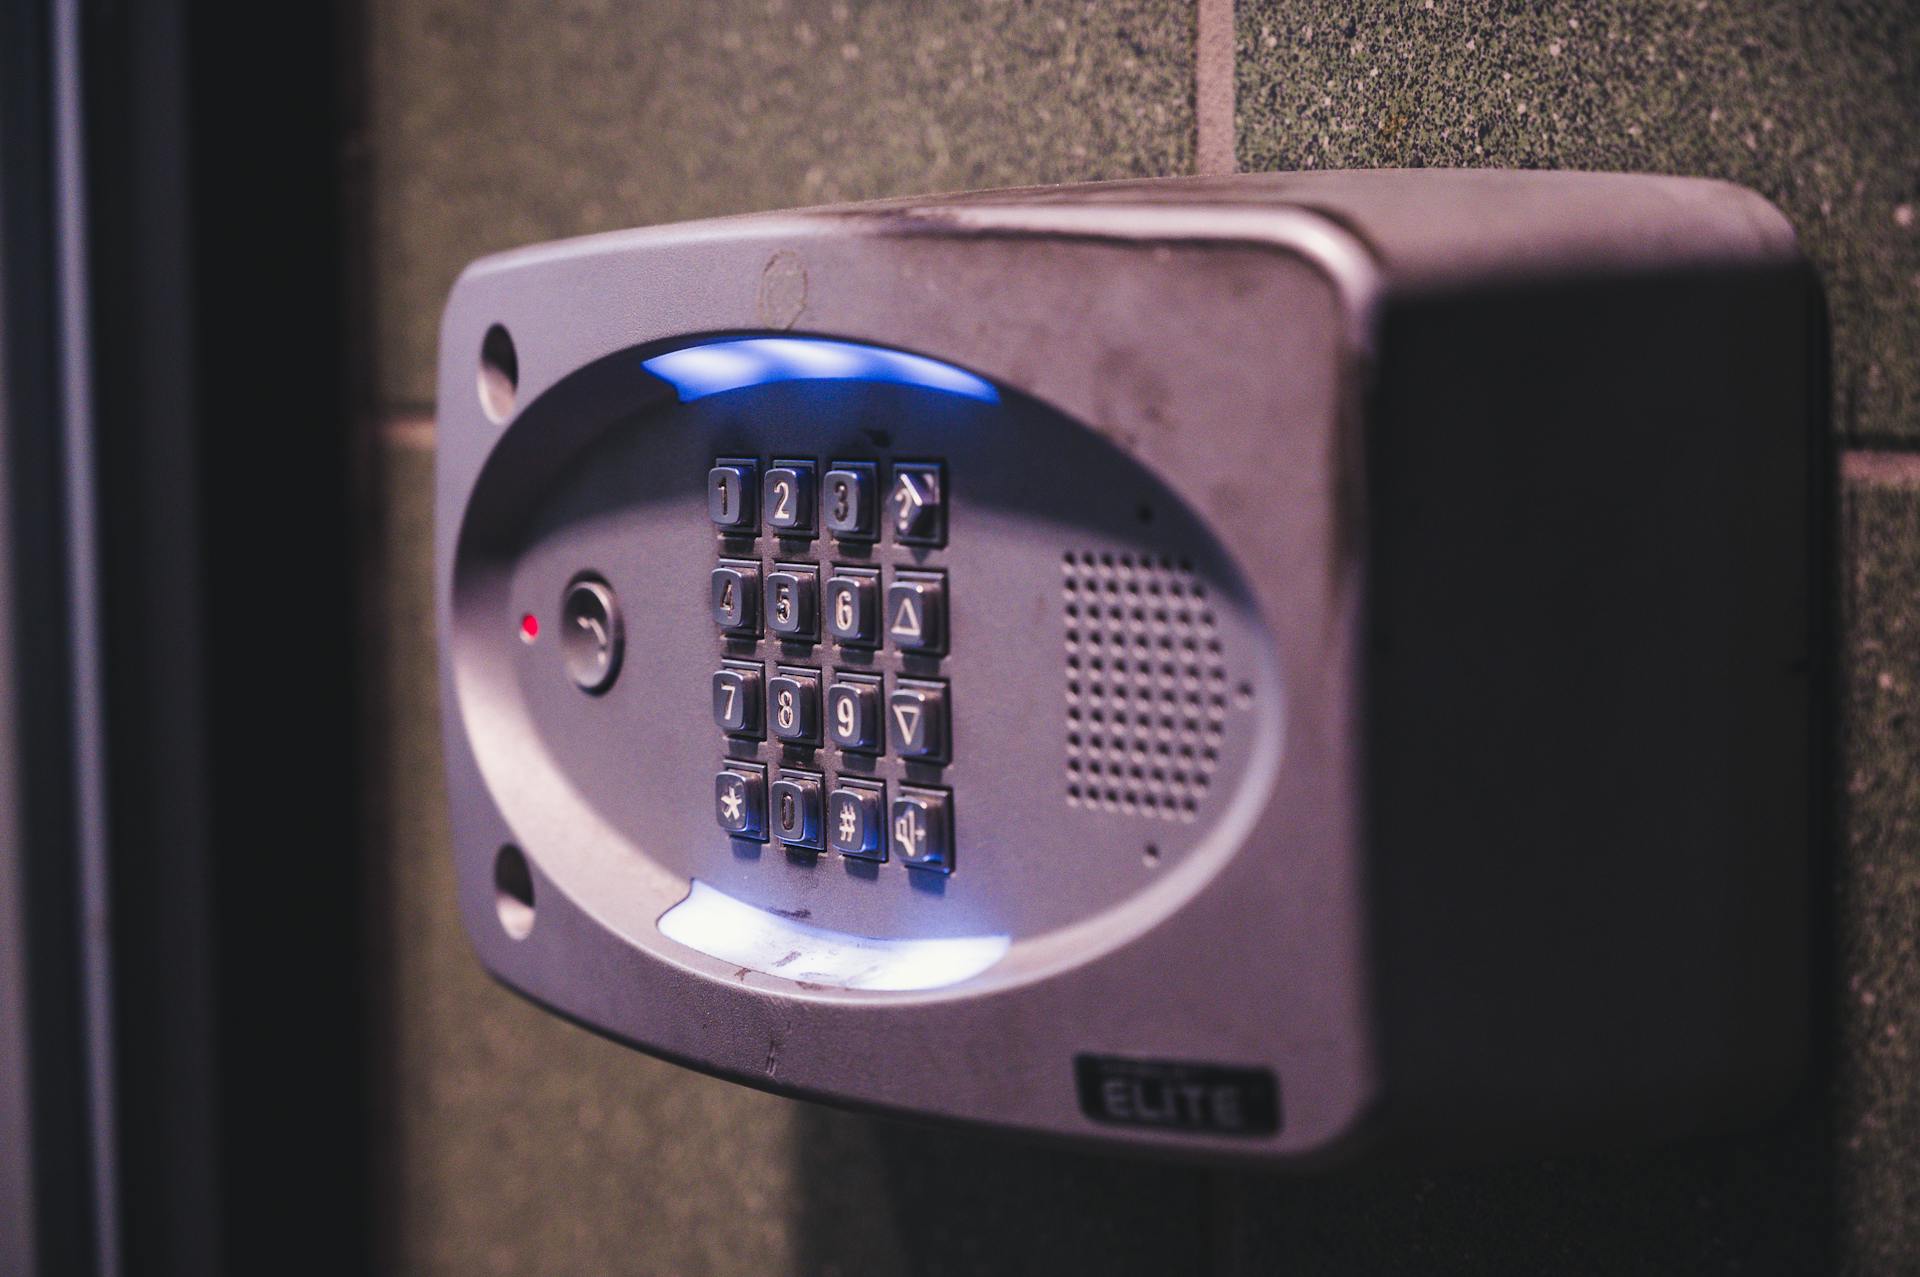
(917, 720)
(853, 712)
(740, 801)
(921, 831)
(796, 809)
(789, 498)
(853, 602)
(793, 706)
(854, 813)
(917, 612)
(916, 504)
(735, 595)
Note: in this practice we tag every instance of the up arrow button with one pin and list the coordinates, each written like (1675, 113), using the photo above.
(917, 612)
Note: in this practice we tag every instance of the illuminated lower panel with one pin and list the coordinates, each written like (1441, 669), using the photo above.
(741, 934)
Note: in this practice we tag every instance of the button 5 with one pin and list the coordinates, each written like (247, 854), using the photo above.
(854, 814)
(793, 706)
(917, 720)
(796, 809)
(921, 832)
(853, 712)
(853, 605)
(736, 698)
(916, 504)
(740, 801)
(792, 596)
(735, 596)
(917, 612)
(788, 498)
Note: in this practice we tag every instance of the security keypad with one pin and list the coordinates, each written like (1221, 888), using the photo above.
(847, 560)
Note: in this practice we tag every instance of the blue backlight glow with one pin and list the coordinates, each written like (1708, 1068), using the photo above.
(745, 935)
(716, 367)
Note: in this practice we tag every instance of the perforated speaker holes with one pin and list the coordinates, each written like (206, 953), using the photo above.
(1146, 684)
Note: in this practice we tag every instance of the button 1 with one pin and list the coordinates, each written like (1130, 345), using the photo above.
(736, 698)
(846, 500)
(853, 605)
(740, 801)
(789, 498)
(793, 705)
(853, 819)
(796, 809)
(735, 595)
(916, 504)
(853, 713)
(917, 720)
(917, 612)
(590, 635)
(921, 833)
(792, 592)
(730, 502)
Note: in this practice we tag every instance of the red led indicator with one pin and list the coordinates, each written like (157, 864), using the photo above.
(529, 628)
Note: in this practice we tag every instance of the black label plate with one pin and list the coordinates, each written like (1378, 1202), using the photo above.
(1204, 1099)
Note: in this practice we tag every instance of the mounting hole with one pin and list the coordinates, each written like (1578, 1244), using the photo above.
(499, 374)
(1151, 855)
(513, 892)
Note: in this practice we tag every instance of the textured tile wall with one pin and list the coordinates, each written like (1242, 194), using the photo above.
(516, 1144)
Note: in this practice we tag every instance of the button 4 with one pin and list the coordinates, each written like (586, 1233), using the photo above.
(853, 712)
(793, 705)
(846, 500)
(916, 504)
(736, 698)
(730, 498)
(796, 809)
(853, 606)
(917, 720)
(788, 499)
(793, 595)
(735, 596)
(854, 814)
(740, 800)
(917, 612)
(921, 832)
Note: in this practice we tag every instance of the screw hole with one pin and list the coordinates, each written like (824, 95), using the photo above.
(513, 892)
(1151, 855)
(499, 374)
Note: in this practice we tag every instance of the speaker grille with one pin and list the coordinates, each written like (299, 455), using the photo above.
(1146, 684)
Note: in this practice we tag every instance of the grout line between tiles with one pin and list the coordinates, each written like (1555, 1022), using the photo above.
(1213, 73)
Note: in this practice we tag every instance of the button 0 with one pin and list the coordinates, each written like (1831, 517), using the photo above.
(789, 498)
(590, 635)
(917, 612)
(796, 809)
(916, 504)
(740, 801)
(792, 595)
(846, 500)
(730, 502)
(853, 713)
(917, 720)
(736, 699)
(921, 832)
(853, 606)
(854, 813)
(793, 706)
(735, 595)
